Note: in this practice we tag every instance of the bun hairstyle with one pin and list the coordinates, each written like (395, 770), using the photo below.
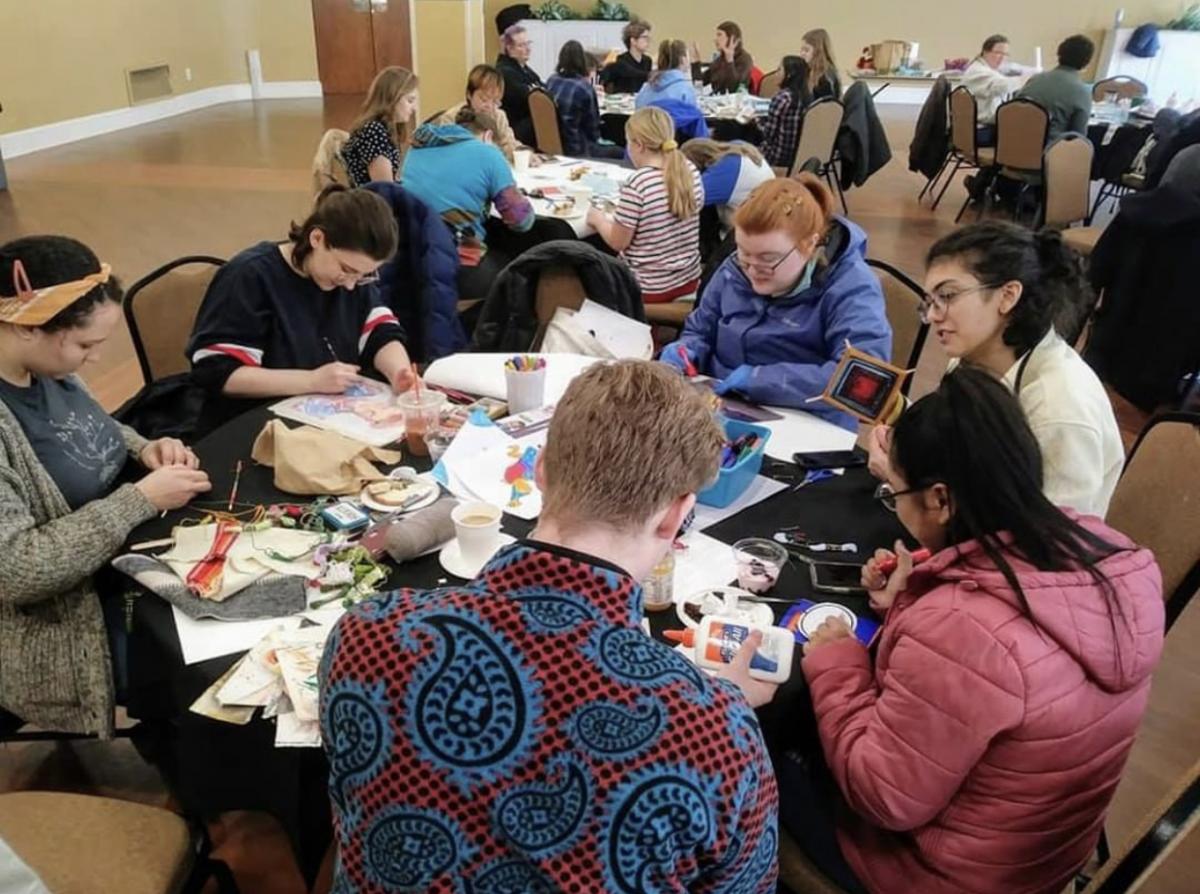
(351, 219)
(1054, 289)
(477, 123)
(49, 261)
(654, 129)
(802, 206)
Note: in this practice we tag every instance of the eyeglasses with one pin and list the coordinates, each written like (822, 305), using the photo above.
(355, 276)
(763, 269)
(885, 495)
(940, 301)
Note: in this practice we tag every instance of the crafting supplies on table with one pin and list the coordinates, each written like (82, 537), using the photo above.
(741, 458)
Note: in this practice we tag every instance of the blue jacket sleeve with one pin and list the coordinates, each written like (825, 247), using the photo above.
(855, 313)
(721, 179)
(444, 333)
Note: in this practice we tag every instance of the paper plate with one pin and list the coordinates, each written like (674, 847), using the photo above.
(822, 612)
(427, 500)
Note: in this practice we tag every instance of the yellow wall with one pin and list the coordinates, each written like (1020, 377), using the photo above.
(449, 42)
(942, 27)
(63, 59)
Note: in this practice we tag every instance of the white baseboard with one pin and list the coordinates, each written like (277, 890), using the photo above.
(22, 142)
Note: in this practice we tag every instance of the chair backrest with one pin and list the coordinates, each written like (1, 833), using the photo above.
(327, 165)
(544, 113)
(818, 132)
(770, 83)
(1124, 86)
(902, 303)
(160, 309)
(557, 286)
(756, 76)
(1067, 179)
(1021, 126)
(1160, 831)
(1157, 502)
(964, 113)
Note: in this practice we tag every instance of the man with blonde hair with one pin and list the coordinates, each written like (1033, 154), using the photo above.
(521, 732)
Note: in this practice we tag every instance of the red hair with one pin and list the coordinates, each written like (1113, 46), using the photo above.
(801, 206)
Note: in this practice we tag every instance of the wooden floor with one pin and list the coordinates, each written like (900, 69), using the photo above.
(216, 181)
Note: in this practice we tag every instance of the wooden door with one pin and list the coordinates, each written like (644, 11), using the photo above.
(391, 29)
(345, 45)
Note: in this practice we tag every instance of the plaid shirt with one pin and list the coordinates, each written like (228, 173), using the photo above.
(578, 113)
(781, 130)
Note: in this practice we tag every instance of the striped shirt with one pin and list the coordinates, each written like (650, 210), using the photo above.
(665, 251)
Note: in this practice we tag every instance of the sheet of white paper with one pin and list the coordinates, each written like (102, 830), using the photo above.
(292, 732)
(483, 374)
(760, 488)
(623, 336)
(200, 640)
(503, 476)
(801, 432)
(707, 562)
(366, 413)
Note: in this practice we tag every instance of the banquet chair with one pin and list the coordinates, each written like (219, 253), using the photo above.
(160, 309)
(557, 286)
(902, 303)
(770, 83)
(1021, 126)
(1066, 181)
(1124, 86)
(544, 113)
(818, 139)
(964, 149)
(77, 844)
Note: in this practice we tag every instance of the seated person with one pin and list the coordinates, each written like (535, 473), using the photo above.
(516, 46)
(729, 172)
(282, 320)
(1062, 92)
(991, 80)
(785, 115)
(380, 135)
(485, 89)
(672, 80)
(420, 282)
(731, 66)
(457, 171)
(816, 49)
(578, 108)
(63, 514)
(632, 68)
(523, 727)
(775, 318)
(1006, 686)
(995, 294)
(656, 225)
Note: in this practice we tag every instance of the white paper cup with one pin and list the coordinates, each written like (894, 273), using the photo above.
(521, 159)
(526, 390)
(477, 527)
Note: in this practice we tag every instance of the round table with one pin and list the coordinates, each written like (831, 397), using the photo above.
(726, 130)
(214, 766)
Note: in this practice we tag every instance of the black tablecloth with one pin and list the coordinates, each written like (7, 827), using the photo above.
(1115, 158)
(612, 128)
(215, 766)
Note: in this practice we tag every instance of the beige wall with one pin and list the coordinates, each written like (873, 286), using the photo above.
(63, 59)
(448, 43)
(943, 29)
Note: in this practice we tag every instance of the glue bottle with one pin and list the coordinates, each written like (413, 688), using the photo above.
(717, 640)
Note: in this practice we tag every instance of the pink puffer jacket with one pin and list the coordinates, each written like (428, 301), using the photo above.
(981, 752)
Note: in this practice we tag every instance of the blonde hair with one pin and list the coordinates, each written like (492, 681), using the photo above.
(704, 153)
(822, 62)
(386, 90)
(801, 206)
(627, 438)
(654, 129)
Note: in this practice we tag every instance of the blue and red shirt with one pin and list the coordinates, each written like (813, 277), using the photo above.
(522, 733)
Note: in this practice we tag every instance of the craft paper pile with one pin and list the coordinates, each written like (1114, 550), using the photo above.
(485, 463)
(365, 412)
(310, 461)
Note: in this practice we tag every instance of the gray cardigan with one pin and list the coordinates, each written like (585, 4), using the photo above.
(54, 663)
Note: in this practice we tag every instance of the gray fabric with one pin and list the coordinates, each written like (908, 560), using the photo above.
(1183, 172)
(54, 662)
(15, 875)
(416, 534)
(76, 441)
(273, 596)
(1065, 97)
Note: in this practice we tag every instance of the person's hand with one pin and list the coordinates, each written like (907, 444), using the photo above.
(829, 631)
(404, 380)
(879, 450)
(675, 355)
(883, 589)
(173, 486)
(757, 692)
(167, 452)
(735, 381)
(332, 378)
(595, 217)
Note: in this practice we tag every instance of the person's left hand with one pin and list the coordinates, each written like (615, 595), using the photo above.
(757, 692)
(735, 381)
(830, 631)
(167, 452)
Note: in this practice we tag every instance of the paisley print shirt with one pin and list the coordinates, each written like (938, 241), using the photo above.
(521, 733)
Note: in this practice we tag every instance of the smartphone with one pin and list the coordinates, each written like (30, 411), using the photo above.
(830, 459)
(836, 577)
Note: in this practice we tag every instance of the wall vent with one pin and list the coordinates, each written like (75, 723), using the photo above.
(148, 84)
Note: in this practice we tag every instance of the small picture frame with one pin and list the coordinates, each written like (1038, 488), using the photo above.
(864, 386)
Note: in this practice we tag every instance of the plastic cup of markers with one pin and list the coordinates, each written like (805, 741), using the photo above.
(422, 410)
(526, 389)
(759, 562)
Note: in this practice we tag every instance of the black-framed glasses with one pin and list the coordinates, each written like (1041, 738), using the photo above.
(940, 301)
(764, 269)
(887, 496)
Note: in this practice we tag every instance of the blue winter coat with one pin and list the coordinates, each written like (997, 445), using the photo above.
(675, 85)
(420, 283)
(791, 343)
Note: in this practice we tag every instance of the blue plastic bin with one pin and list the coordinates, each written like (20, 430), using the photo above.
(732, 482)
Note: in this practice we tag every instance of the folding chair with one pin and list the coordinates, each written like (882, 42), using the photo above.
(544, 113)
(771, 83)
(1066, 182)
(818, 139)
(160, 309)
(965, 152)
(1021, 126)
(902, 303)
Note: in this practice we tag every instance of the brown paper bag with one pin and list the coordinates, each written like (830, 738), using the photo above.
(311, 462)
